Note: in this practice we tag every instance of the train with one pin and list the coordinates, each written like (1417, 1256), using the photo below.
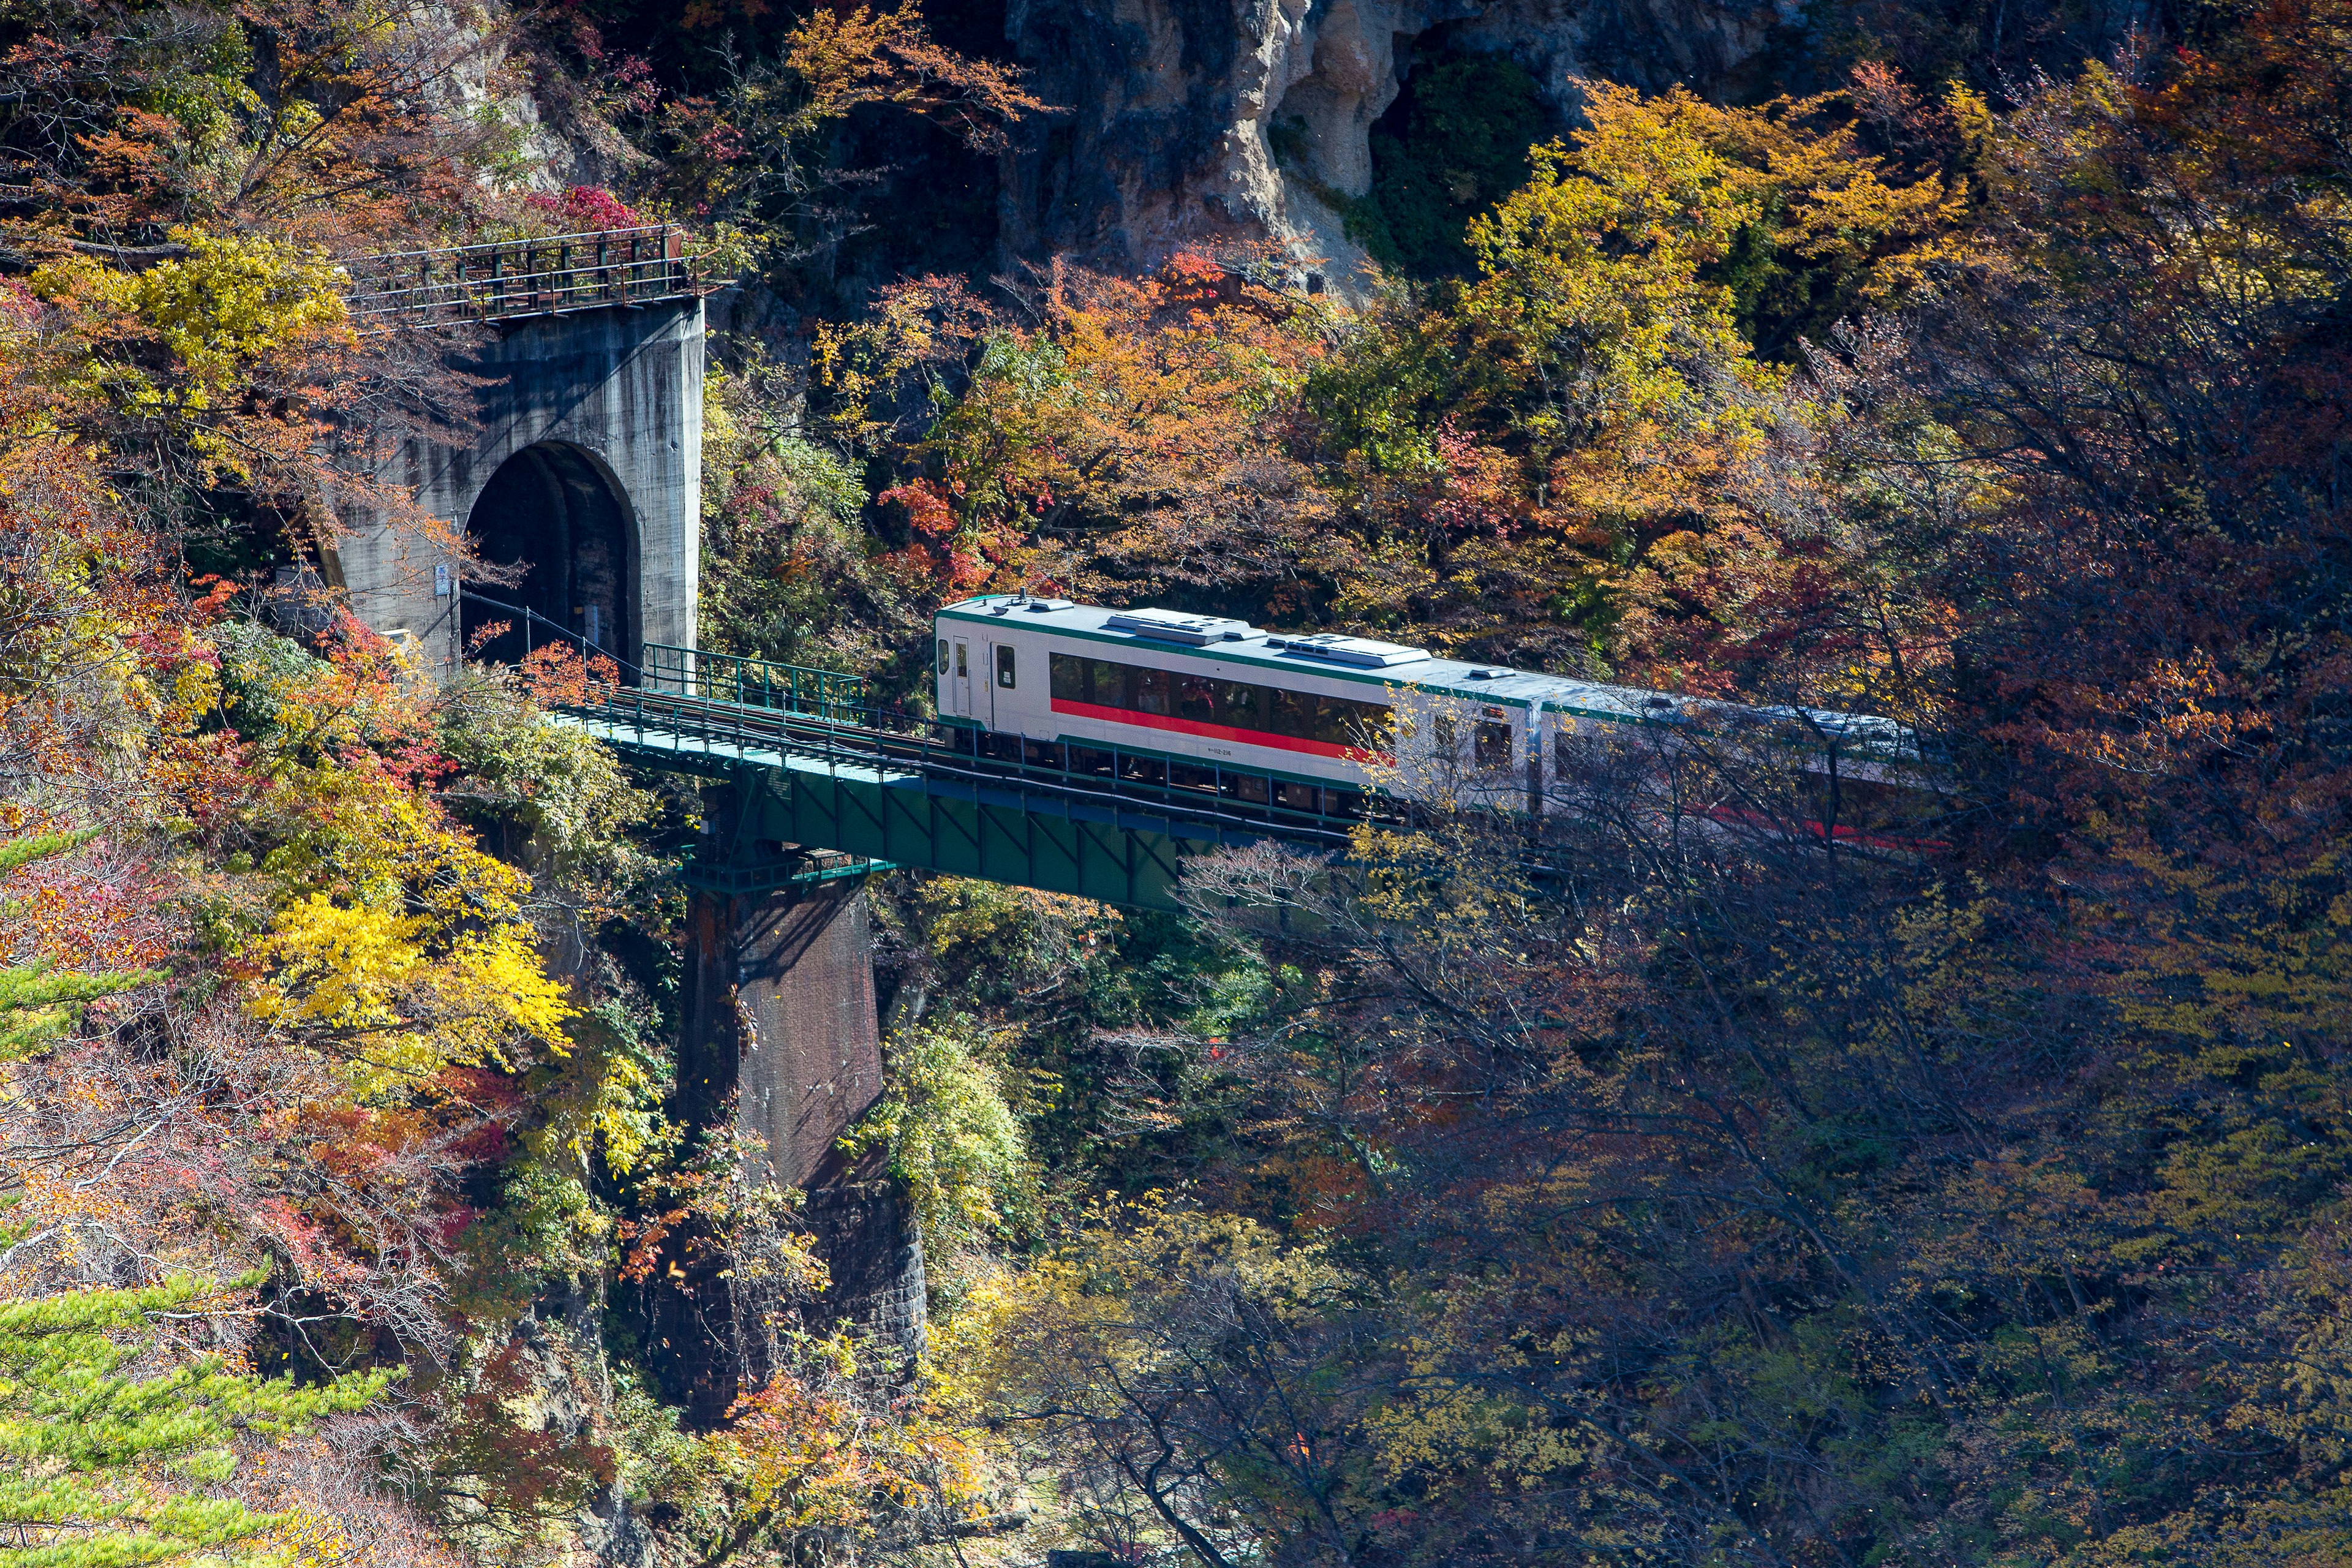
(1324, 721)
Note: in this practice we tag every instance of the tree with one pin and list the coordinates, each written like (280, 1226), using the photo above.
(325, 125)
(952, 1139)
(752, 155)
(114, 1457)
(792, 574)
(1129, 442)
(1187, 1371)
(38, 1002)
(824, 1460)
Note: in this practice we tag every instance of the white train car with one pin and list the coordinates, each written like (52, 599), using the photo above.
(1314, 722)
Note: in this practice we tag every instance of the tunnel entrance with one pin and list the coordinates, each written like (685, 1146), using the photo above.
(550, 509)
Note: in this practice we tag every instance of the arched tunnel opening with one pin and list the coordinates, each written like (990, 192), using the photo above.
(550, 511)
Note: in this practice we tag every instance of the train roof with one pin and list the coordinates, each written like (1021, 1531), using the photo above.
(1373, 662)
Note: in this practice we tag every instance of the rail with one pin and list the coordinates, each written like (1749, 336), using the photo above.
(501, 280)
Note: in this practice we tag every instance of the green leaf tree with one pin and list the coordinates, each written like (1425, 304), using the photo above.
(112, 1457)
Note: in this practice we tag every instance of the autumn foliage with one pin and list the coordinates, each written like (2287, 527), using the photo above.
(1661, 1182)
(1738, 1197)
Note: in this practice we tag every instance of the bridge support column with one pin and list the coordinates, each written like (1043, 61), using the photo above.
(779, 1034)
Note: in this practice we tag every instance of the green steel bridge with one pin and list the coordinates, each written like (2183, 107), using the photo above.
(827, 784)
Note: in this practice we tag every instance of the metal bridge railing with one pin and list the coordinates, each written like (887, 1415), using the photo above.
(762, 683)
(649, 720)
(463, 283)
(826, 694)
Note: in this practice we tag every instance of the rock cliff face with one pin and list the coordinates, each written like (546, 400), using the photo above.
(1173, 108)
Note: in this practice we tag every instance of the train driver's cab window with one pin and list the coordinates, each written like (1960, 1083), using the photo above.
(943, 656)
(1490, 744)
(1004, 667)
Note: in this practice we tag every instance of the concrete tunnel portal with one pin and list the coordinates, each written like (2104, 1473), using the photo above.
(553, 511)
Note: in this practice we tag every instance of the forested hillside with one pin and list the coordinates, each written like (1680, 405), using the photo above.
(1754, 1199)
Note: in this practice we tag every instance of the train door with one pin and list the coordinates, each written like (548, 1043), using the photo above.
(1004, 705)
(1538, 737)
(959, 681)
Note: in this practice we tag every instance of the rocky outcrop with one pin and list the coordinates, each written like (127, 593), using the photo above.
(501, 69)
(1173, 111)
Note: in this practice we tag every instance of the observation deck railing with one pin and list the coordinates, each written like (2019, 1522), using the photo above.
(499, 282)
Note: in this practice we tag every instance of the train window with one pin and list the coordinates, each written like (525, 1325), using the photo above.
(1441, 740)
(963, 666)
(1143, 770)
(1291, 713)
(1298, 796)
(1870, 806)
(1585, 767)
(943, 656)
(1241, 705)
(1343, 721)
(1490, 745)
(1004, 667)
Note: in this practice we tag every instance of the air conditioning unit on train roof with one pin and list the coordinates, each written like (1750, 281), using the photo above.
(1365, 653)
(1175, 625)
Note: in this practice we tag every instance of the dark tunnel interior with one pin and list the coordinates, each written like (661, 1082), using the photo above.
(551, 511)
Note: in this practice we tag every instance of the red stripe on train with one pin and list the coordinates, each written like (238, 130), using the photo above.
(1216, 732)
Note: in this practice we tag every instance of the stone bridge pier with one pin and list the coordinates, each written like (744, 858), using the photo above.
(779, 1036)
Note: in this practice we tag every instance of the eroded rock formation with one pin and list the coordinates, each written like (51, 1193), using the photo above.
(1190, 122)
